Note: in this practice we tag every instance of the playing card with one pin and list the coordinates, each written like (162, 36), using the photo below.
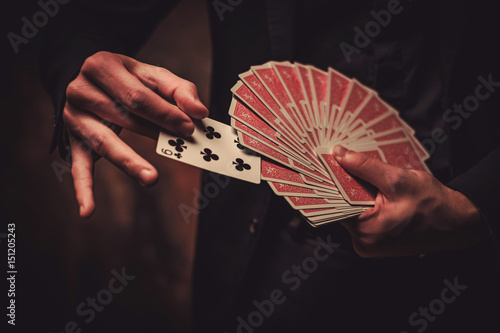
(356, 97)
(319, 83)
(244, 115)
(337, 89)
(310, 203)
(214, 146)
(279, 174)
(402, 154)
(322, 213)
(372, 110)
(267, 149)
(307, 89)
(354, 190)
(253, 83)
(297, 191)
(294, 114)
(271, 82)
(290, 81)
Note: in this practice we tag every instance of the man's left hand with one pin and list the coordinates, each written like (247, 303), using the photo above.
(413, 214)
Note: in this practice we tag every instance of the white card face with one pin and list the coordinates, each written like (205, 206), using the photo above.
(214, 146)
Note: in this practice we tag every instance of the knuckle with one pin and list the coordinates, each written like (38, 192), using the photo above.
(398, 179)
(90, 65)
(97, 143)
(150, 75)
(69, 119)
(67, 116)
(364, 161)
(191, 87)
(135, 98)
(133, 66)
(161, 71)
(73, 91)
(82, 98)
(95, 62)
(423, 180)
(421, 176)
(102, 55)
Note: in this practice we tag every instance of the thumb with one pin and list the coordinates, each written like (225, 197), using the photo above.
(368, 168)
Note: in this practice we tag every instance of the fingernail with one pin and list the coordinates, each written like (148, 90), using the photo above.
(81, 209)
(145, 176)
(339, 152)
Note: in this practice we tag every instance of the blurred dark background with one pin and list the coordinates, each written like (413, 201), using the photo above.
(61, 259)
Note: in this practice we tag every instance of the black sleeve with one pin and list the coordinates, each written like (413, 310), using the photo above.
(83, 28)
(475, 140)
(481, 185)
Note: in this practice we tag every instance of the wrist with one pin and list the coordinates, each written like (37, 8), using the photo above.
(464, 218)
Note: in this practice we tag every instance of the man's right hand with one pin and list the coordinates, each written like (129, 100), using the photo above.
(115, 89)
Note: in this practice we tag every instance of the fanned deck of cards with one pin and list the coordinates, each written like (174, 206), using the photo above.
(293, 115)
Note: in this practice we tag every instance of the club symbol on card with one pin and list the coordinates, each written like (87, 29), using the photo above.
(178, 155)
(208, 155)
(178, 144)
(212, 133)
(238, 144)
(241, 165)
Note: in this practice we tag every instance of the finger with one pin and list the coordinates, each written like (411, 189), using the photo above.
(108, 72)
(82, 168)
(353, 226)
(104, 142)
(382, 175)
(183, 92)
(84, 95)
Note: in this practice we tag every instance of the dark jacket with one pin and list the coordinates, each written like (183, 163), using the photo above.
(426, 59)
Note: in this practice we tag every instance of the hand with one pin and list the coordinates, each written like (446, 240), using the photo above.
(113, 89)
(413, 214)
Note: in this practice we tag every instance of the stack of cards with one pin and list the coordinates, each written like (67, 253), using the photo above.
(293, 115)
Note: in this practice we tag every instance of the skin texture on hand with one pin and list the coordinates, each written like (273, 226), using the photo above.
(413, 214)
(113, 89)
